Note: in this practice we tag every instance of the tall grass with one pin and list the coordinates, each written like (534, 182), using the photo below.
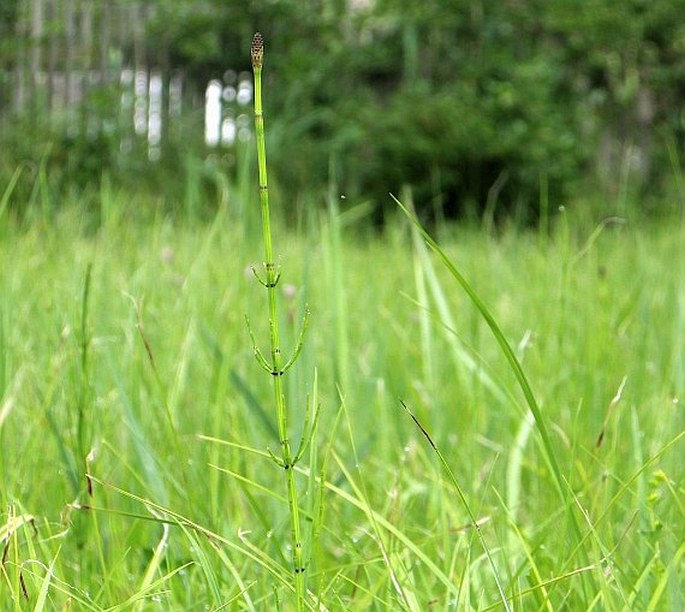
(134, 336)
(203, 520)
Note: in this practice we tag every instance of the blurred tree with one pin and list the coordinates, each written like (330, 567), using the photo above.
(469, 101)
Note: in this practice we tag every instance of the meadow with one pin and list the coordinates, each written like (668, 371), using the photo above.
(138, 430)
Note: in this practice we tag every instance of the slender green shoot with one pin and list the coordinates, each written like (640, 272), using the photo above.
(276, 365)
(83, 434)
(465, 502)
(7, 194)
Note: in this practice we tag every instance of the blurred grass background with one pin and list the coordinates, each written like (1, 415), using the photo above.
(541, 143)
(585, 312)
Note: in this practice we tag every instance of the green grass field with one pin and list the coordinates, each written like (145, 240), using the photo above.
(125, 355)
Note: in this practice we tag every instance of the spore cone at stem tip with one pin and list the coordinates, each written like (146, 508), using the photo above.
(257, 50)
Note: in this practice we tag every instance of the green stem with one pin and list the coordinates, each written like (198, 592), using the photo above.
(270, 281)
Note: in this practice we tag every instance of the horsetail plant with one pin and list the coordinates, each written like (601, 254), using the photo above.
(277, 366)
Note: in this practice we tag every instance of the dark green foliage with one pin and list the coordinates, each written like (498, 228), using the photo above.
(472, 104)
(471, 101)
(72, 162)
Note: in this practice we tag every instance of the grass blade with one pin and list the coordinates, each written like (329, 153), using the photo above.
(467, 507)
(517, 369)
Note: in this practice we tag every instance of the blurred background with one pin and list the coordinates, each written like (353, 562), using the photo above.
(483, 107)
